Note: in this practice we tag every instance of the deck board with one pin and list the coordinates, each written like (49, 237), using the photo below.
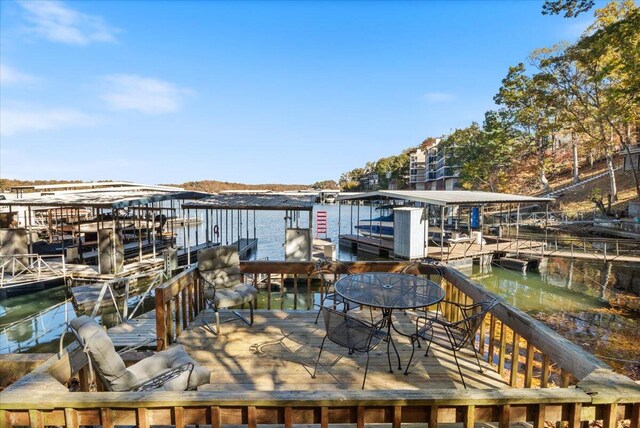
(278, 353)
(279, 350)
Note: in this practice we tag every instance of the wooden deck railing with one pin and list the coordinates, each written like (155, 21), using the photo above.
(521, 349)
(508, 339)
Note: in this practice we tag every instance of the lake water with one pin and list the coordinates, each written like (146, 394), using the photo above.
(578, 298)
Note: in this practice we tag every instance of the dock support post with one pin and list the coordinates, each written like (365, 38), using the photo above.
(442, 233)
(339, 223)
(188, 233)
(517, 229)
(546, 227)
(481, 225)
(154, 232)
(29, 229)
(114, 215)
(139, 219)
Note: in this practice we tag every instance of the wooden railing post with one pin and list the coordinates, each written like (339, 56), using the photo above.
(161, 327)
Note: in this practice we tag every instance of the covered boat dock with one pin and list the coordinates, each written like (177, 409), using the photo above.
(230, 219)
(96, 230)
(451, 220)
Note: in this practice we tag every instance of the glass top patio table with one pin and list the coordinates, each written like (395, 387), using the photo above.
(389, 290)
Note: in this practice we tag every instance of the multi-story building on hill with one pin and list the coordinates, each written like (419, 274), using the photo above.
(430, 169)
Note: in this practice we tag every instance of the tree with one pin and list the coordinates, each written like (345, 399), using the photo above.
(325, 184)
(529, 106)
(571, 8)
(613, 43)
(482, 153)
(597, 80)
(349, 181)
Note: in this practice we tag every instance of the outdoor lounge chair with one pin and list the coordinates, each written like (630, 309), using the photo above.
(219, 268)
(169, 370)
(354, 334)
(457, 334)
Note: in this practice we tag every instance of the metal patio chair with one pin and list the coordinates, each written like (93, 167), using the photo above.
(170, 370)
(457, 334)
(354, 334)
(219, 268)
(326, 270)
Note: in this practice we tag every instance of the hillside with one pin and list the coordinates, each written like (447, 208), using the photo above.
(577, 199)
(6, 183)
(213, 186)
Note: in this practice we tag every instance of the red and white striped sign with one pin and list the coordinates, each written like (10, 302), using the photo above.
(321, 223)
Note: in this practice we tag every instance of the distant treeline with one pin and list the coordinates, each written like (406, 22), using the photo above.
(6, 184)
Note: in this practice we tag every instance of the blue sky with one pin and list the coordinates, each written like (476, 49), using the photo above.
(254, 92)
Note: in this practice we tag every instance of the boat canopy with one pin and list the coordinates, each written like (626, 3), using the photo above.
(261, 201)
(447, 197)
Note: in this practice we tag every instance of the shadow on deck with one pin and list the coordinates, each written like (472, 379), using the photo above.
(279, 350)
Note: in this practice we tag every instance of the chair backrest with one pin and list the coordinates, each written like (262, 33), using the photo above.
(327, 270)
(220, 265)
(109, 366)
(473, 316)
(348, 331)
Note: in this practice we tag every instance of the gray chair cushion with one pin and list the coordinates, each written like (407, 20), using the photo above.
(170, 359)
(218, 258)
(102, 351)
(222, 278)
(119, 377)
(228, 297)
(220, 266)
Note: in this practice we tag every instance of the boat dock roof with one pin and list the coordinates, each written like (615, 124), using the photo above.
(104, 199)
(260, 201)
(95, 185)
(446, 197)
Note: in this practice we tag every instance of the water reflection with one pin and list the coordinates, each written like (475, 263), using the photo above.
(561, 284)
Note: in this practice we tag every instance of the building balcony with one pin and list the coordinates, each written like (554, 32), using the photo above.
(261, 374)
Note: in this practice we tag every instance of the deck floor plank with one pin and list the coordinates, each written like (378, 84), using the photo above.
(278, 353)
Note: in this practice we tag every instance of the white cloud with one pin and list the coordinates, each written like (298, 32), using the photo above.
(11, 76)
(19, 121)
(439, 97)
(144, 94)
(58, 23)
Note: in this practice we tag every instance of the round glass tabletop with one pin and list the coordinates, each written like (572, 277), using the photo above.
(389, 290)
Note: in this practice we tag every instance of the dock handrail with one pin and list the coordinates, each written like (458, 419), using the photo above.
(14, 268)
(108, 286)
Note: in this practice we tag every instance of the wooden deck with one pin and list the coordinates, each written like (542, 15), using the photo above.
(278, 353)
(261, 373)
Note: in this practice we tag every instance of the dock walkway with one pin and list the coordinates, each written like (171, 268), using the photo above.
(134, 331)
(460, 251)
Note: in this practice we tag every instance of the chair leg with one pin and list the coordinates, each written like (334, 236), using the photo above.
(477, 359)
(320, 310)
(455, 357)
(313, 376)
(366, 369)
(396, 350)
(388, 353)
(414, 339)
(239, 315)
(426, 354)
(211, 329)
